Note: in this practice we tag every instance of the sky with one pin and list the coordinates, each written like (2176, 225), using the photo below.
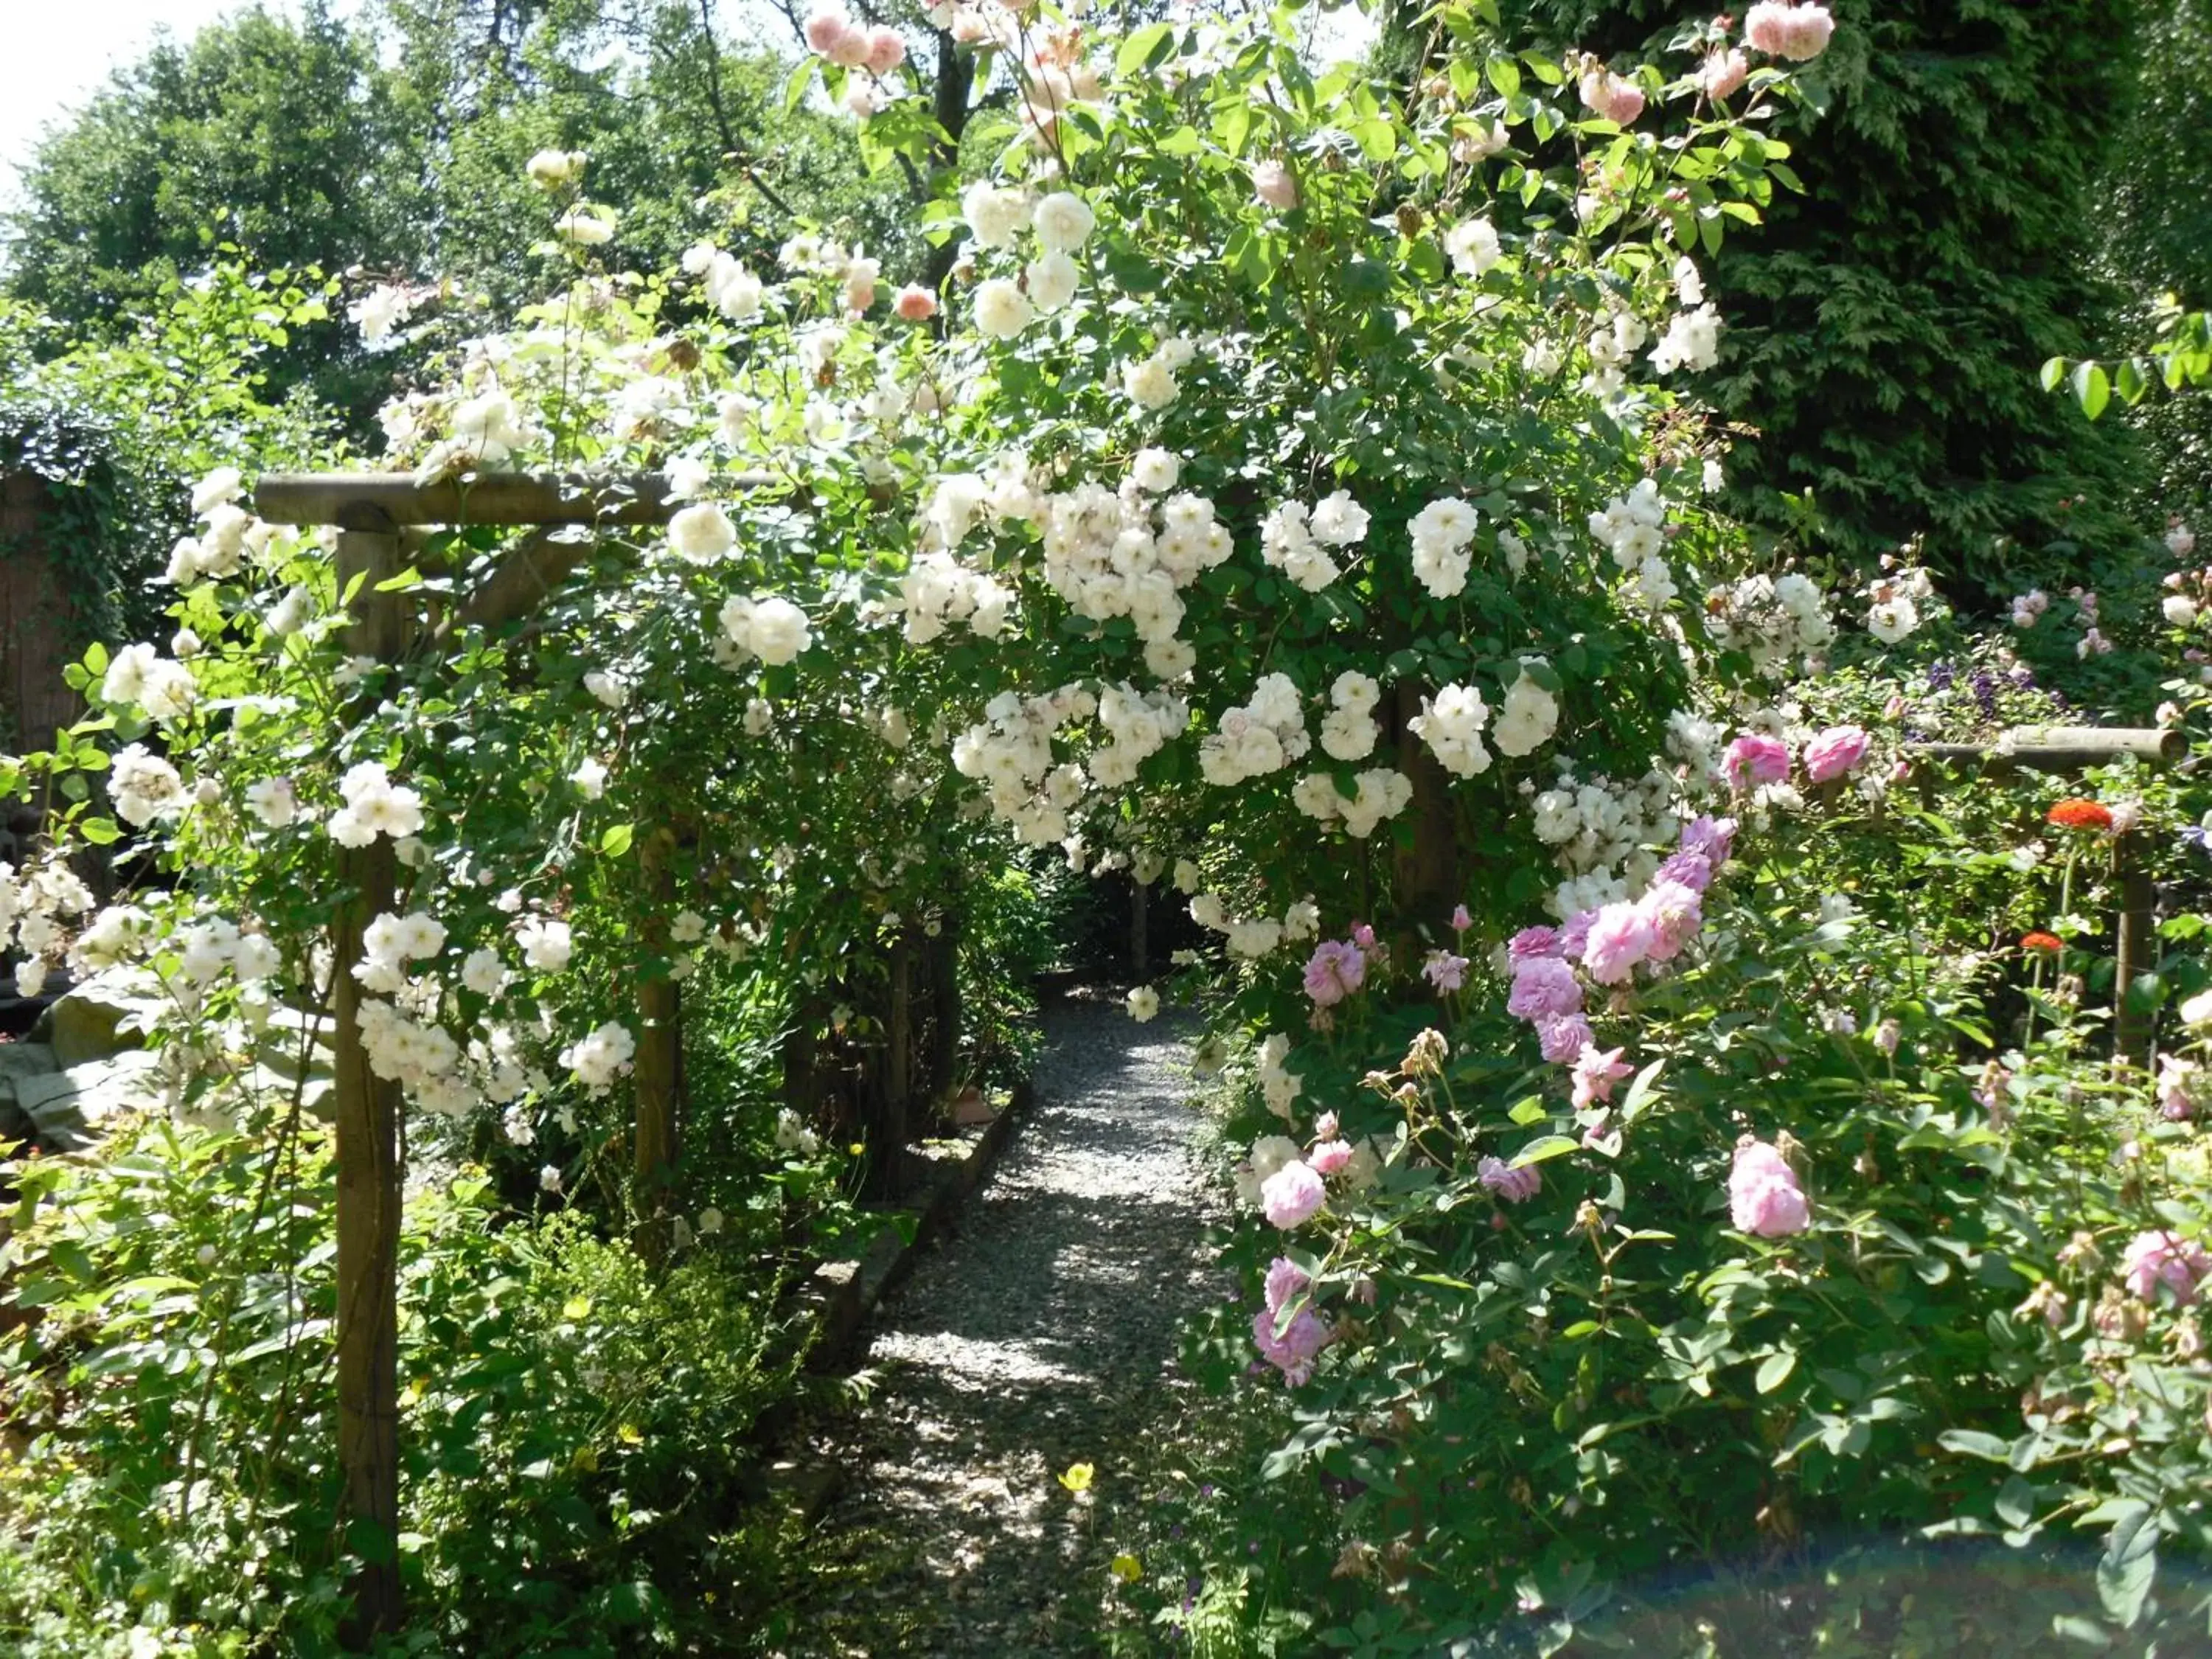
(59, 51)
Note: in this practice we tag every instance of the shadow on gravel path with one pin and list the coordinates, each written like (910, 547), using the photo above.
(1043, 1333)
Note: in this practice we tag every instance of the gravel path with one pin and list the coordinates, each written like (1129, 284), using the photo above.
(1042, 1334)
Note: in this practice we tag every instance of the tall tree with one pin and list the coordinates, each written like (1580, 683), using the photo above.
(1885, 326)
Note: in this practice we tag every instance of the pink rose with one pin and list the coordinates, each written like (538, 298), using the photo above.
(1675, 913)
(1612, 97)
(850, 49)
(1563, 1037)
(1764, 1197)
(1691, 869)
(1272, 184)
(1294, 1351)
(825, 28)
(2159, 1258)
(1445, 971)
(1755, 758)
(1285, 1280)
(1544, 987)
(1710, 838)
(886, 50)
(860, 295)
(1836, 750)
(1330, 1157)
(1786, 30)
(1596, 1070)
(1512, 1185)
(914, 304)
(1333, 971)
(1574, 934)
(1531, 943)
(1325, 1126)
(1723, 74)
(1621, 937)
(1461, 920)
(1291, 1194)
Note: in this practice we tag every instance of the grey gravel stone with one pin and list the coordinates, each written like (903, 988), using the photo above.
(1043, 1334)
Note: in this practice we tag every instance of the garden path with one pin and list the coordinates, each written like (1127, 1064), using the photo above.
(1041, 1335)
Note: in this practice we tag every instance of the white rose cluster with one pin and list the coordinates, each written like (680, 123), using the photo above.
(1451, 724)
(1692, 341)
(1379, 792)
(374, 805)
(1776, 621)
(1296, 540)
(1112, 553)
(1150, 381)
(1348, 730)
(1010, 753)
(792, 1135)
(1253, 739)
(1138, 724)
(1631, 526)
(1611, 348)
(1442, 532)
(1279, 1085)
(31, 910)
(1527, 717)
(728, 286)
(144, 786)
(937, 590)
(772, 628)
(389, 943)
(1601, 833)
(599, 1059)
(420, 1055)
(228, 531)
(1893, 603)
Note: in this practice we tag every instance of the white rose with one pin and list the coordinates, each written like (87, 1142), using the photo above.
(701, 532)
(1002, 311)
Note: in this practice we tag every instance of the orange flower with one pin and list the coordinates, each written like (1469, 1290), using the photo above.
(2049, 943)
(2079, 814)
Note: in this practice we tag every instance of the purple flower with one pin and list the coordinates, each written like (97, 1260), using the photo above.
(1621, 937)
(1576, 933)
(1691, 869)
(1285, 1279)
(1445, 971)
(1293, 1353)
(1711, 838)
(1532, 942)
(2159, 1258)
(1514, 1186)
(1291, 1194)
(1333, 971)
(1541, 986)
(1764, 1196)
(1563, 1037)
(1834, 752)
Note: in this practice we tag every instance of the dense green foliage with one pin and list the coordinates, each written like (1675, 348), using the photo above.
(1885, 328)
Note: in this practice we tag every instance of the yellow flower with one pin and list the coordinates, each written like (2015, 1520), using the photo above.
(1077, 1478)
(1127, 1569)
(857, 1150)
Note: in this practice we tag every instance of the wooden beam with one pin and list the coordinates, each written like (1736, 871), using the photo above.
(365, 501)
(2064, 749)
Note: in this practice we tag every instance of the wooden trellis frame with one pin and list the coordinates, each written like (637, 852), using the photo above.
(373, 513)
(2067, 751)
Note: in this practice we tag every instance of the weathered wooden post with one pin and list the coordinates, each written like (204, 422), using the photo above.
(660, 1061)
(365, 1111)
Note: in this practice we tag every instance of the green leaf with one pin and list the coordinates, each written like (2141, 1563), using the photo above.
(1775, 1370)
(1542, 1148)
(1137, 51)
(1529, 1111)
(2092, 388)
(617, 839)
(1975, 1443)
(100, 832)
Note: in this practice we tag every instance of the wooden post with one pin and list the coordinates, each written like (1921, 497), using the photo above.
(945, 1004)
(2131, 1026)
(367, 1126)
(897, 1073)
(659, 1054)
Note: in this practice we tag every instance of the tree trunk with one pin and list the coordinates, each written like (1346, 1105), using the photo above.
(1426, 866)
(1140, 947)
(944, 1012)
(366, 1127)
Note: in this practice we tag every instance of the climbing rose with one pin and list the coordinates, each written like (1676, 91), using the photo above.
(1335, 969)
(1291, 1194)
(1285, 1279)
(1143, 1002)
(914, 304)
(1764, 1197)
(1784, 29)
(1330, 1157)
(1293, 1353)
(1723, 74)
(1544, 985)
(2153, 1258)
(1531, 943)
(1834, 752)
(1621, 937)
(1611, 96)
(1753, 758)
(1675, 912)
(1710, 838)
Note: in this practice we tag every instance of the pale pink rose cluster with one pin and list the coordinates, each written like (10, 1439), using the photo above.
(1788, 28)
(1764, 1196)
(1336, 970)
(834, 35)
(1294, 1349)
(2153, 1258)
(1614, 98)
(1293, 1195)
(1835, 752)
